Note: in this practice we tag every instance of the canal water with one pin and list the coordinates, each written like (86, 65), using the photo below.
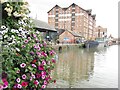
(86, 68)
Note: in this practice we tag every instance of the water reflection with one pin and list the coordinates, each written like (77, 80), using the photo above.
(77, 65)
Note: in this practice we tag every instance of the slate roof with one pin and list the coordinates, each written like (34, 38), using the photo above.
(60, 31)
(74, 33)
(43, 25)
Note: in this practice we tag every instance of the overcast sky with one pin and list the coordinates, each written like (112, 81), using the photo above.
(106, 11)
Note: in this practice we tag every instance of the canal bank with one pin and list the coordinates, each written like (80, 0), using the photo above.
(63, 47)
(86, 68)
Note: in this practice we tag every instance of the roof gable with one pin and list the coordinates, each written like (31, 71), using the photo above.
(53, 8)
(73, 33)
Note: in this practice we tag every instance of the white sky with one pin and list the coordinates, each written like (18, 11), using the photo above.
(106, 11)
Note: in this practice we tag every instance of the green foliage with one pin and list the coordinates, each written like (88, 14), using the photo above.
(27, 60)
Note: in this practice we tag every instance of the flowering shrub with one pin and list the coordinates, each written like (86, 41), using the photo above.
(27, 60)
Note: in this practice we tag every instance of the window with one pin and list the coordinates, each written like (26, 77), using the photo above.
(73, 19)
(56, 20)
(56, 24)
(73, 10)
(56, 11)
(103, 33)
(73, 14)
(73, 24)
(56, 15)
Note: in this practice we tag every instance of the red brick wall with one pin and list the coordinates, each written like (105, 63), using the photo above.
(66, 34)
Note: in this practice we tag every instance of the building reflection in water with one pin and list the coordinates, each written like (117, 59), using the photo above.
(74, 64)
(86, 68)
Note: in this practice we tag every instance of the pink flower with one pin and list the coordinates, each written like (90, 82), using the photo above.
(5, 86)
(46, 78)
(43, 73)
(41, 67)
(23, 76)
(30, 78)
(44, 54)
(53, 60)
(43, 76)
(35, 46)
(33, 65)
(33, 76)
(44, 62)
(22, 65)
(45, 82)
(41, 45)
(38, 75)
(18, 71)
(29, 38)
(23, 46)
(15, 86)
(5, 82)
(19, 86)
(39, 54)
(26, 41)
(48, 62)
(36, 82)
(52, 52)
(24, 84)
(38, 48)
(34, 35)
(32, 53)
(1, 87)
(44, 43)
(18, 80)
(43, 86)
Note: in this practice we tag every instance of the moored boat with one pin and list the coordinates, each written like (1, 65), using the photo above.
(90, 44)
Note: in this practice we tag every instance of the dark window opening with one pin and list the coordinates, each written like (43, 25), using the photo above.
(73, 5)
(73, 24)
(73, 10)
(56, 15)
(56, 11)
(56, 20)
(73, 19)
(56, 24)
(73, 14)
(103, 33)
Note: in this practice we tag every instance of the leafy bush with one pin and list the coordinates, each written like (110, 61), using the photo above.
(27, 60)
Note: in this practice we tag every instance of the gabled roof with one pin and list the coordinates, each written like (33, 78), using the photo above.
(66, 7)
(77, 5)
(60, 31)
(89, 11)
(54, 7)
(75, 34)
(43, 25)
(94, 15)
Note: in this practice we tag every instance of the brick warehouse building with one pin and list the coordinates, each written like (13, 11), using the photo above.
(73, 18)
(100, 32)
